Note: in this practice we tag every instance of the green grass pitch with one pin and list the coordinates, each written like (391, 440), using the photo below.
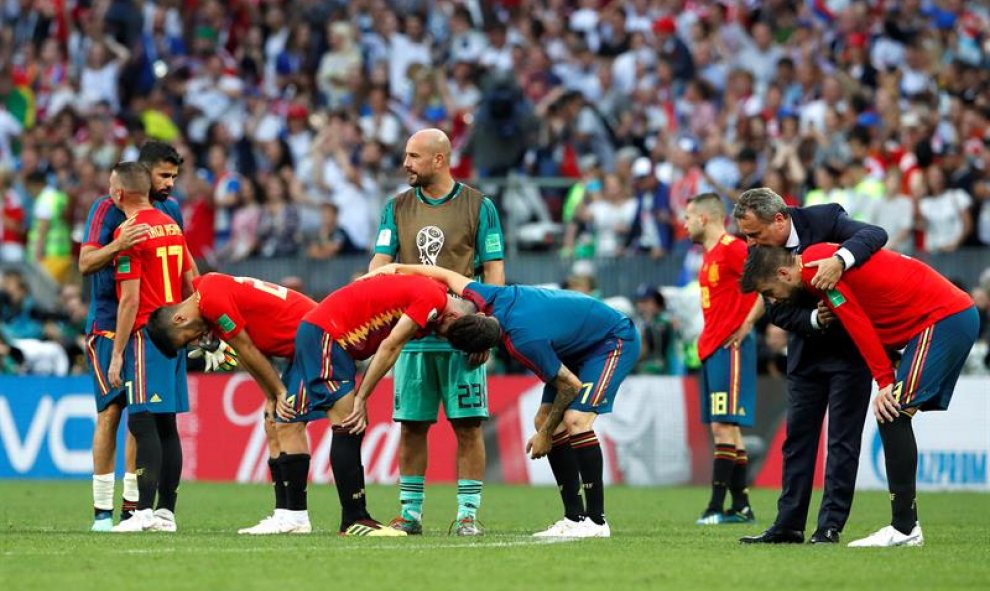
(655, 545)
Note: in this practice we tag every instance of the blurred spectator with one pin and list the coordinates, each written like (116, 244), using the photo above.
(330, 240)
(12, 231)
(278, 233)
(895, 214)
(21, 319)
(658, 331)
(650, 231)
(943, 214)
(49, 240)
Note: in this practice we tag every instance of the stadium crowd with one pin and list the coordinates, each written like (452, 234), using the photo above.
(291, 118)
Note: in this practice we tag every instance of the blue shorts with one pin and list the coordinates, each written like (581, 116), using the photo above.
(601, 371)
(933, 360)
(153, 382)
(321, 373)
(292, 379)
(99, 350)
(728, 385)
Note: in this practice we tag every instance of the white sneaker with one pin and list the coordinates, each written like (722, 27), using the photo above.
(590, 529)
(273, 525)
(888, 537)
(143, 520)
(165, 521)
(565, 528)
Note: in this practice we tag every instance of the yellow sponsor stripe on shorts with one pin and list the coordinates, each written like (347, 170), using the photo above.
(610, 365)
(734, 361)
(140, 393)
(918, 364)
(94, 363)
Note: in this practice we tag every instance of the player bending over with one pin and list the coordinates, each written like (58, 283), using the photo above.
(580, 348)
(889, 302)
(374, 316)
(259, 320)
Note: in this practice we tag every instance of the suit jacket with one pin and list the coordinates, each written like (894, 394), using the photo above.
(831, 349)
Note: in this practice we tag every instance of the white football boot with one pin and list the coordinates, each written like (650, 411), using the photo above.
(889, 537)
(565, 528)
(166, 521)
(143, 520)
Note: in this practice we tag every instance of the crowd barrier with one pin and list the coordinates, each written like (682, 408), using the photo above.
(654, 437)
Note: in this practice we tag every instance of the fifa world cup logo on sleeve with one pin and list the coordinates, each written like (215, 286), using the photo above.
(429, 241)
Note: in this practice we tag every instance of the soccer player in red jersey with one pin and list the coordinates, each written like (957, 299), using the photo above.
(373, 316)
(889, 302)
(727, 350)
(150, 274)
(259, 320)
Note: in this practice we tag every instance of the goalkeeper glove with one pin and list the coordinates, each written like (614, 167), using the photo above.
(223, 358)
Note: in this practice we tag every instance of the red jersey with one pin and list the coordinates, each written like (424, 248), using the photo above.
(723, 304)
(886, 301)
(361, 315)
(159, 263)
(270, 313)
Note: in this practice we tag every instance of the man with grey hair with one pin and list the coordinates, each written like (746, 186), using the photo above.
(824, 369)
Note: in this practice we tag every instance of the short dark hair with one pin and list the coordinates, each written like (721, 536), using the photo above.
(761, 265)
(474, 333)
(710, 202)
(154, 153)
(763, 202)
(160, 328)
(134, 177)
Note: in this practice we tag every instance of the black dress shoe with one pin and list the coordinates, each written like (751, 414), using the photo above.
(829, 535)
(775, 536)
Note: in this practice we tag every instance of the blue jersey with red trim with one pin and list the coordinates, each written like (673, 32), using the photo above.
(103, 220)
(540, 327)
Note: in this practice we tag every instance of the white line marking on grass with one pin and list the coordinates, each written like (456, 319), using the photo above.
(256, 550)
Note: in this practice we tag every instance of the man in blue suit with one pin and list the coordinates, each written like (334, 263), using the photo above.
(824, 369)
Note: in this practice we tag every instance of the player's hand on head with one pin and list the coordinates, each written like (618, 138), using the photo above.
(828, 274)
(132, 233)
(478, 359)
(885, 407)
(114, 371)
(389, 269)
(357, 420)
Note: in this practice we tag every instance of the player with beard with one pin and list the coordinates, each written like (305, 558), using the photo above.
(888, 303)
(440, 222)
(96, 256)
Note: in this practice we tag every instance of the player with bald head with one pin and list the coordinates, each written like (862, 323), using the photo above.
(727, 350)
(440, 221)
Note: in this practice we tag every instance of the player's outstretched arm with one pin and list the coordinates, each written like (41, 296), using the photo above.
(92, 258)
(127, 309)
(568, 386)
(388, 352)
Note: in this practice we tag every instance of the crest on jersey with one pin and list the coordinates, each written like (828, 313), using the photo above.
(429, 241)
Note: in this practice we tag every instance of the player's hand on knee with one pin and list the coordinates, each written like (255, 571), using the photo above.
(538, 445)
(284, 409)
(885, 407)
(357, 421)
